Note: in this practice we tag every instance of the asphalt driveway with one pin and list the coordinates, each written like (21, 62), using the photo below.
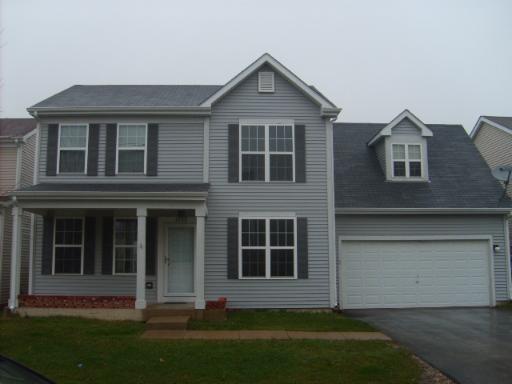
(470, 345)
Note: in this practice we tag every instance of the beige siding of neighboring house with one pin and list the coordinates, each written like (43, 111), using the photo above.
(8, 157)
(495, 146)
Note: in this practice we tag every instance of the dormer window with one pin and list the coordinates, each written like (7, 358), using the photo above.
(406, 160)
(266, 82)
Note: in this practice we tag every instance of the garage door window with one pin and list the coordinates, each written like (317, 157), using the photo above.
(268, 248)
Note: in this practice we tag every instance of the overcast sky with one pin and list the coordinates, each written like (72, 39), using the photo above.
(447, 61)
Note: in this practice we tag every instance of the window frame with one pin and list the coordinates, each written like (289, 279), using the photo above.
(407, 161)
(144, 172)
(114, 246)
(85, 149)
(268, 248)
(81, 246)
(267, 153)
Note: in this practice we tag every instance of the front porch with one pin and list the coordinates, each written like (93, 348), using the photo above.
(136, 248)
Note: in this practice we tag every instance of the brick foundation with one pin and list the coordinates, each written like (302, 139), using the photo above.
(40, 301)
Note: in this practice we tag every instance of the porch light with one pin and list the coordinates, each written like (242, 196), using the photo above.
(496, 248)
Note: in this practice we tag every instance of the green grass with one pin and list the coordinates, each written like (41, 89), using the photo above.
(283, 320)
(112, 352)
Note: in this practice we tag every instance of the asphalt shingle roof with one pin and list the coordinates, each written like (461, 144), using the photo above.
(459, 177)
(504, 121)
(130, 96)
(118, 187)
(16, 127)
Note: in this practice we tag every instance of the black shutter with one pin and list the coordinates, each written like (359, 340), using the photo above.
(232, 248)
(90, 245)
(108, 238)
(302, 247)
(47, 257)
(151, 245)
(51, 149)
(233, 153)
(152, 150)
(92, 150)
(110, 155)
(300, 153)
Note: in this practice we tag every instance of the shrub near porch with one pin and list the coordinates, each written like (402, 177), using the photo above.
(71, 350)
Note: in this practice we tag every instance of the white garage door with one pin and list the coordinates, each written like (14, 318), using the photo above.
(400, 274)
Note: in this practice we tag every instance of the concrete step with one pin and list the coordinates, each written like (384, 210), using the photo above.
(159, 312)
(167, 322)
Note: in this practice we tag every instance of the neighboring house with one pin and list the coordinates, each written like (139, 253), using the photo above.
(492, 136)
(17, 146)
(157, 194)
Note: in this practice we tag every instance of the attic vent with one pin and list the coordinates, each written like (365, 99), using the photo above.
(266, 82)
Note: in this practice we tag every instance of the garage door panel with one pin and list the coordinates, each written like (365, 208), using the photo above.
(398, 274)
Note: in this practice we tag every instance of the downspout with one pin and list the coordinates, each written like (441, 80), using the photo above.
(331, 216)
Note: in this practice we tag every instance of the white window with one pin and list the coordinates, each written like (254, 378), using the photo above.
(267, 152)
(131, 148)
(266, 82)
(73, 140)
(268, 248)
(68, 250)
(125, 246)
(406, 160)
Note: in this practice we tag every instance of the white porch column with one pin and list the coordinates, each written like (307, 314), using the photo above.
(15, 258)
(140, 296)
(199, 257)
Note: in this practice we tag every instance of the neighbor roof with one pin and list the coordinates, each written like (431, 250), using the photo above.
(500, 122)
(13, 128)
(459, 177)
(129, 96)
(504, 121)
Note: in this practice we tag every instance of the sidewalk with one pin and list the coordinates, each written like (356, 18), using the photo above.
(261, 335)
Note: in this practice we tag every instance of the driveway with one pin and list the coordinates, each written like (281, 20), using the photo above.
(470, 345)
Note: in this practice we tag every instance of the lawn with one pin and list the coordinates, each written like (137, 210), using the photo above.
(70, 350)
(283, 320)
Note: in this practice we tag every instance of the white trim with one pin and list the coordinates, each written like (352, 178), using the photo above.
(110, 110)
(282, 70)
(488, 238)
(114, 246)
(268, 247)
(132, 148)
(14, 286)
(85, 149)
(3, 212)
(267, 152)
(427, 211)
(407, 162)
(483, 119)
(206, 149)
(31, 254)
(35, 176)
(81, 246)
(19, 163)
(506, 224)
(387, 130)
(331, 219)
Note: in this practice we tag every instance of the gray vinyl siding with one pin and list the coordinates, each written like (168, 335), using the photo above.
(434, 225)
(180, 151)
(84, 285)
(406, 126)
(495, 146)
(305, 199)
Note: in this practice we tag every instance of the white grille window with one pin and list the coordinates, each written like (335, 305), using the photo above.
(266, 81)
(407, 160)
(73, 148)
(131, 148)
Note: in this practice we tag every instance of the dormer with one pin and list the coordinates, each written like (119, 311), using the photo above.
(401, 148)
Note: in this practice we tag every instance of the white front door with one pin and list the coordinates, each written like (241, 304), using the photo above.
(179, 262)
(400, 274)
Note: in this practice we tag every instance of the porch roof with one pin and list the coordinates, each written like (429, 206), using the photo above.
(115, 188)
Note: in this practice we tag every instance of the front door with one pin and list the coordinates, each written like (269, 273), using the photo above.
(179, 262)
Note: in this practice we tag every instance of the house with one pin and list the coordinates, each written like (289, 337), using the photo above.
(17, 150)
(420, 221)
(173, 193)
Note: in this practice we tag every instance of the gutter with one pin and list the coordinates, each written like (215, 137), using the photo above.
(91, 195)
(109, 110)
(411, 211)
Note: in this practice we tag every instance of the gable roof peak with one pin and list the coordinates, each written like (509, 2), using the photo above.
(328, 108)
(405, 114)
